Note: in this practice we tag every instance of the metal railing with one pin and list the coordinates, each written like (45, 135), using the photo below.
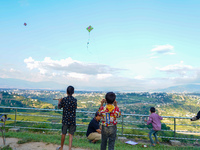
(124, 125)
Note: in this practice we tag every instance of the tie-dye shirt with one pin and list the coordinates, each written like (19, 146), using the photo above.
(109, 115)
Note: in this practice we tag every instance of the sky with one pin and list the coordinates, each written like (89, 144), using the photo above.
(134, 45)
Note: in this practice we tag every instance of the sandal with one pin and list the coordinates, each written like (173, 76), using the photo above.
(58, 148)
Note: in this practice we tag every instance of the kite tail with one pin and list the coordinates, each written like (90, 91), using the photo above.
(88, 44)
(88, 40)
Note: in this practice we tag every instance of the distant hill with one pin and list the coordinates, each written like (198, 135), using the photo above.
(23, 84)
(15, 100)
(17, 83)
(190, 88)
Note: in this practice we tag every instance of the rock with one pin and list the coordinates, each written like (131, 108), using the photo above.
(122, 138)
(14, 129)
(175, 143)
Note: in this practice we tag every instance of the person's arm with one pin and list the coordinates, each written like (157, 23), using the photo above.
(60, 103)
(99, 131)
(115, 103)
(101, 107)
(100, 127)
(117, 111)
(102, 102)
(161, 118)
(150, 120)
(76, 104)
(96, 126)
(196, 117)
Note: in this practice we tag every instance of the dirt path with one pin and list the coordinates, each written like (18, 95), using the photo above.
(32, 145)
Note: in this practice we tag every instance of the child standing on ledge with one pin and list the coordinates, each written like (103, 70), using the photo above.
(155, 120)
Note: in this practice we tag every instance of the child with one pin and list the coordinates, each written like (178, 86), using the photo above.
(94, 129)
(155, 120)
(69, 105)
(109, 112)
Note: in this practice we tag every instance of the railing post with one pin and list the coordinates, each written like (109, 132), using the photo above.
(122, 124)
(174, 128)
(15, 116)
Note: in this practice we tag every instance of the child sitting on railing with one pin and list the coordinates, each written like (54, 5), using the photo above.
(155, 120)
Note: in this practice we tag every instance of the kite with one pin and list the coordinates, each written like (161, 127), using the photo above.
(89, 29)
(25, 24)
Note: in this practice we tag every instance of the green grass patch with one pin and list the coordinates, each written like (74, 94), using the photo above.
(6, 148)
(81, 141)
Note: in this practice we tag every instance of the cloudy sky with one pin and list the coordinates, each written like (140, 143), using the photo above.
(135, 45)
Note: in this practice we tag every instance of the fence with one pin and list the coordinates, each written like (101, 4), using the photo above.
(127, 124)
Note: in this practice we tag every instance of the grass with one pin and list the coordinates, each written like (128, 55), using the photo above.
(6, 148)
(81, 141)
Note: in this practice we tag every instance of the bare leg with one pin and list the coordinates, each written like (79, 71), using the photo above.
(94, 141)
(70, 141)
(62, 141)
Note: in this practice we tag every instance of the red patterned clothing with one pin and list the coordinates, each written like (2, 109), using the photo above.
(110, 114)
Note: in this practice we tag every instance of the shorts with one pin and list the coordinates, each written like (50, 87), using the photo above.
(71, 128)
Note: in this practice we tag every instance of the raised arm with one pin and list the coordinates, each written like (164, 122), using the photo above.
(118, 112)
(150, 120)
(60, 103)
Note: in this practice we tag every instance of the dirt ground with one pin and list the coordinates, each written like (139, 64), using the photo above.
(12, 142)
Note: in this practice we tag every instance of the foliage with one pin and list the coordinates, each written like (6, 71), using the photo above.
(7, 147)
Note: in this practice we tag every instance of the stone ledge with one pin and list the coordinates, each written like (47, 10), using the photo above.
(175, 143)
(14, 129)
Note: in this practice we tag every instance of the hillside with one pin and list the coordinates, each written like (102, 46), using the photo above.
(179, 105)
(15, 100)
(17, 83)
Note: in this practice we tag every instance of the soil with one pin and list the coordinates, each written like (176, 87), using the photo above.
(12, 142)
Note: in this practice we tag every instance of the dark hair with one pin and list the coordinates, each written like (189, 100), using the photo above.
(97, 114)
(110, 97)
(70, 90)
(152, 109)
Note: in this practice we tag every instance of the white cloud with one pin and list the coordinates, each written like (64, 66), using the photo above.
(68, 65)
(163, 49)
(7, 73)
(169, 53)
(103, 76)
(13, 70)
(78, 76)
(139, 77)
(177, 68)
(31, 63)
(153, 57)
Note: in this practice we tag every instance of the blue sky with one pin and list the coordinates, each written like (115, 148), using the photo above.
(135, 45)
